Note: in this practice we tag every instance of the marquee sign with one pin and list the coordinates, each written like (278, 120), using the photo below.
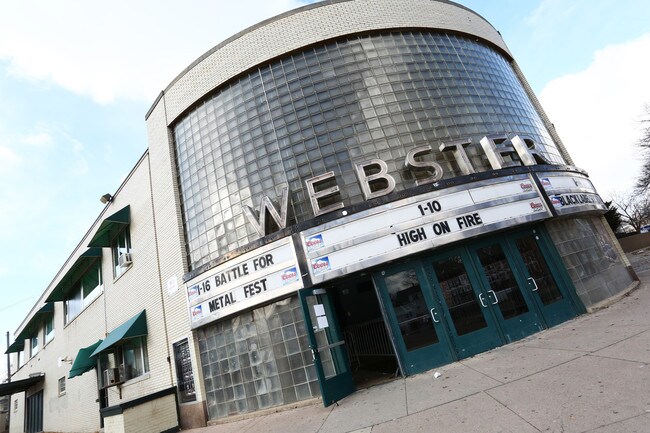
(253, 278)
(420, 223)
(571, 193)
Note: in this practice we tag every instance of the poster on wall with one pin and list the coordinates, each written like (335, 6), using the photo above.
(254, 278)
(571, 193)
(420, 223)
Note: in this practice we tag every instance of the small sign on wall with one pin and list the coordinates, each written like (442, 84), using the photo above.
(172, 285)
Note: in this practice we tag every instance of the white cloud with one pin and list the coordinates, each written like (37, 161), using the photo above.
(550, 11)
(597, 113)
(39, 139)
(125, 50)
(8, 158)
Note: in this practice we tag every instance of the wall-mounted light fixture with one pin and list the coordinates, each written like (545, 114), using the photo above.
(106, 198)
(64, 359)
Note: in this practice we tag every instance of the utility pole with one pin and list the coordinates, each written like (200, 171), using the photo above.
(8, 380)
(8, 360)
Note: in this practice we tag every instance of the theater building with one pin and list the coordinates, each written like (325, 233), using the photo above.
(349, 191)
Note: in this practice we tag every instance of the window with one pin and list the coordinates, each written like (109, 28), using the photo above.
(121, 245)
(62, 386)
(49, 329)
(134, 353)
(130, 358)
(33, 346)
(83, 292)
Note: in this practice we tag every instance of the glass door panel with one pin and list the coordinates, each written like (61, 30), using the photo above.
(415, 319)
(327, 345)
(464, 309)
(411, 310)
(472, 326)
(503, 288)
(514, 309)
(543, 282)
(540, 274)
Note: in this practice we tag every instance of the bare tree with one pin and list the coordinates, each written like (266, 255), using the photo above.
(634, 209)
(613, 217)
(643, 182)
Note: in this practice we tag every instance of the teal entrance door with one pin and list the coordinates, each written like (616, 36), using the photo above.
(513, 305)
(470, 299)
(415, 317)
(534, 255)
(462, 299)
(327, 346)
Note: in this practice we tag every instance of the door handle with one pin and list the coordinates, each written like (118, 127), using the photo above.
(496, 300)
(534, 284)
(480, 297)
(433, 315)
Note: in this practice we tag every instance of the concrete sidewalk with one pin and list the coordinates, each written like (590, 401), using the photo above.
(591, 374)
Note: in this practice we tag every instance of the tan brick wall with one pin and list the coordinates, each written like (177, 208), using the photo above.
(114, 424)
(309, 26)
(151, 417)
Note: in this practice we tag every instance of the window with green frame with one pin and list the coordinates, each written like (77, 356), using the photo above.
(33, 345)
(83, 292)
(121, 245)
(49, 329)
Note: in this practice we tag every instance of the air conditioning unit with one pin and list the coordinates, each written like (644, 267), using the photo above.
(125, 260)
(112, 377)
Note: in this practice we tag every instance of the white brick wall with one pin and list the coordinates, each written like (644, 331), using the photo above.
(173, 261)
(311, 25)
(137, 289)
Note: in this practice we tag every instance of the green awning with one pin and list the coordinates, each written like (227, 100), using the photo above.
(109, 228)
(32, 328)
(23, 385)
(134, 327)
(84, 361)
(17, 346)
(77, 270)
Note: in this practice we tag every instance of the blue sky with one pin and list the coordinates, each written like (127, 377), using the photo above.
(76, 81)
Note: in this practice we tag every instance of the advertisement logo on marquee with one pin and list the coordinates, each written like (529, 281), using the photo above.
(546, 182)
(289, 276)
(314, 242)
(197, 313)
(320, 266)
(526, 186)
(556, 201)
(536, 206)
(193, 292)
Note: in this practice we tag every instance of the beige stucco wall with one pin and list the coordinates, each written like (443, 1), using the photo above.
(635, 242)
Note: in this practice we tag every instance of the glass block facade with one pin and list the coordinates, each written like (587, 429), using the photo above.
(593, 263)
(329, 107)
(257, 360)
